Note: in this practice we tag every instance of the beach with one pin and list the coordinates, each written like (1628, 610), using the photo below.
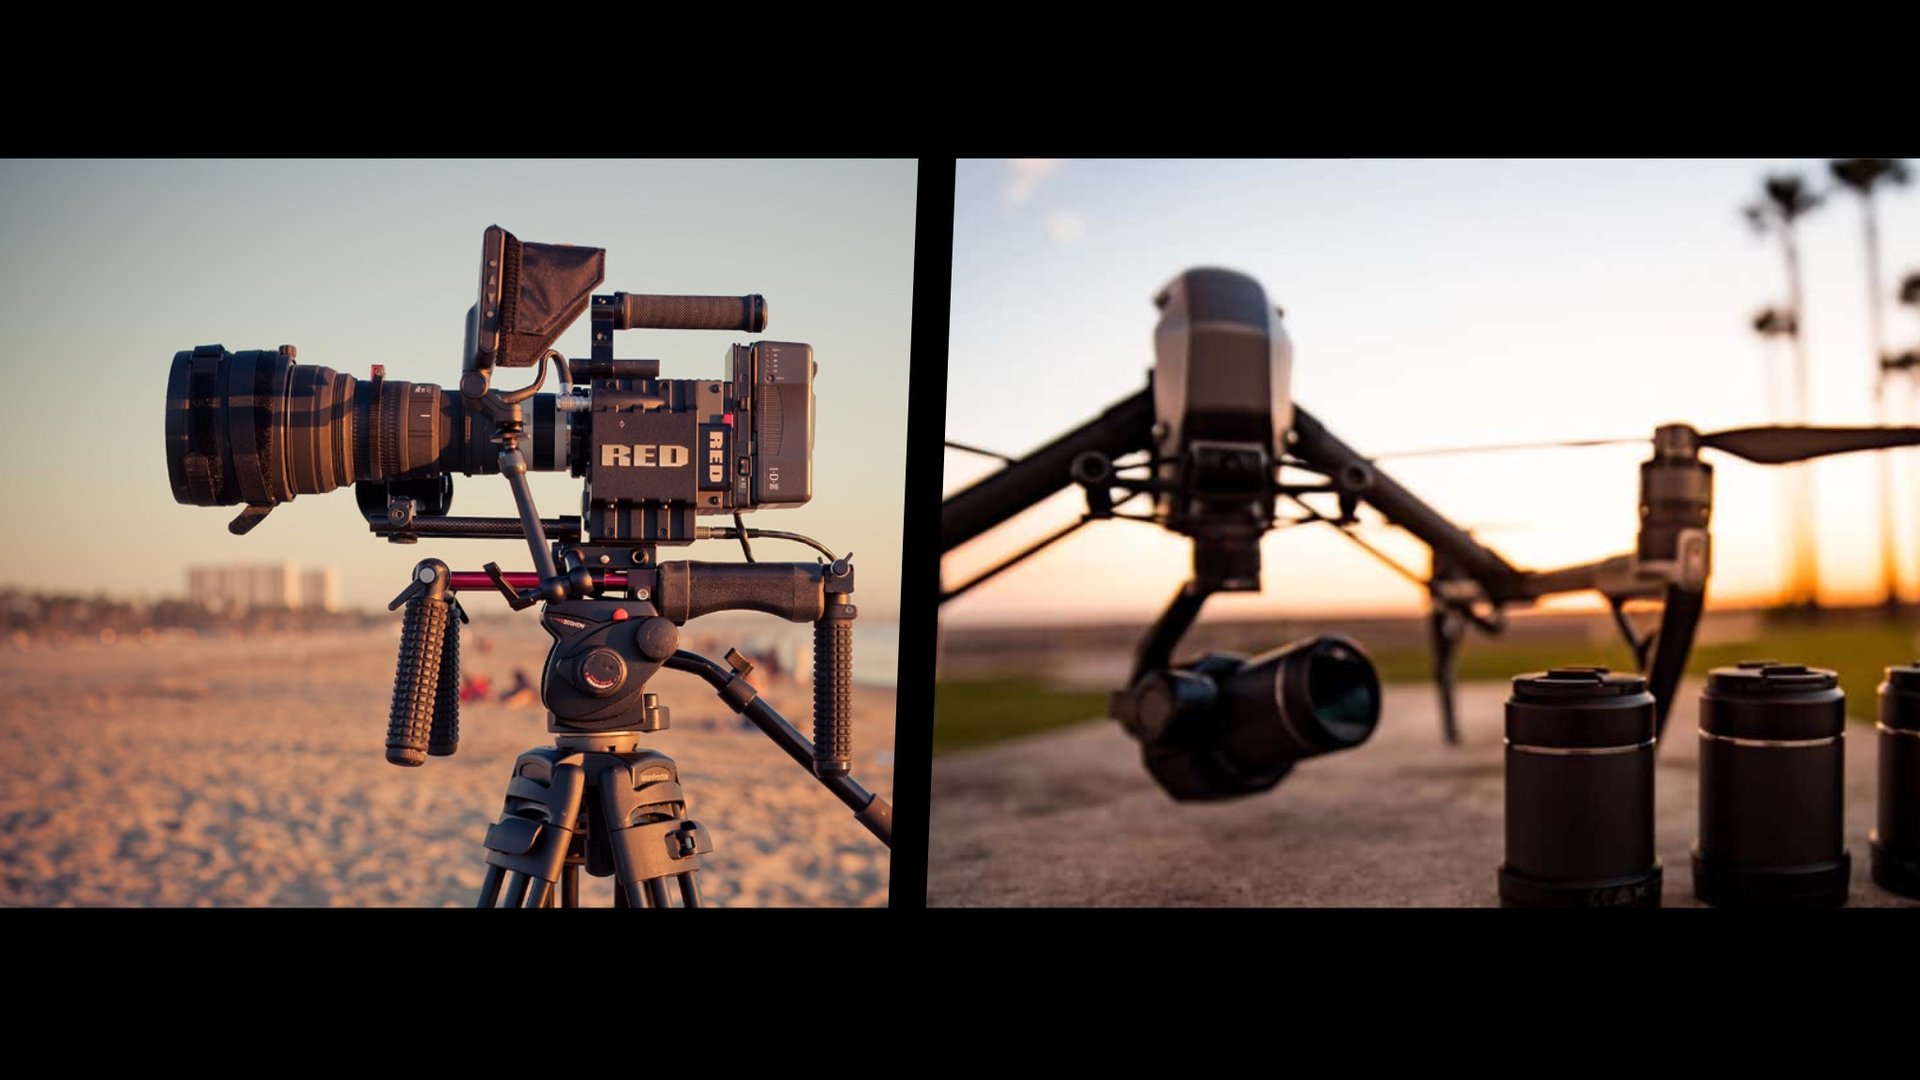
(183, 772)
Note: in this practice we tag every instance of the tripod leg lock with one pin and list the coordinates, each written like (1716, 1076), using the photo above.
(647, 828)
(661, 849)
(535, 830)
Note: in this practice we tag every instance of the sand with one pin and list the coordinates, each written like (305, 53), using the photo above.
(252, 773)
(1070, 818)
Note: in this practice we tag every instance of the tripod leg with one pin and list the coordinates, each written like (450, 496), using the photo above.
(490, 888)
(648, 830)
(689, 891)
(570, 886)
(516, 890)
(536, 829)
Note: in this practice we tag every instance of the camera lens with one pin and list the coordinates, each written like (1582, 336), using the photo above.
(1300, 701)
(1772, 776)
(1896, 838)
(1579, 795)
(255, 427)
(1228, 726)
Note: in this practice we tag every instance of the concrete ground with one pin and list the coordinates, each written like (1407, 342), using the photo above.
(1070, 818)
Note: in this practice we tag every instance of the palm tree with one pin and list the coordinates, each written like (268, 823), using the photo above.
(1860, 176)
(1785, 199)
(1772, 324)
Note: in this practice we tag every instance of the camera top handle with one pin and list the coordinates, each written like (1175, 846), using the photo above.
(653, 311)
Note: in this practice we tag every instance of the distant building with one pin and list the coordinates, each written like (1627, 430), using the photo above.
(270, 587)
(320, 589)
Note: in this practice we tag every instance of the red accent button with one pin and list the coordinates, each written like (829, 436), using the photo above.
(619, 613)
(727, 419)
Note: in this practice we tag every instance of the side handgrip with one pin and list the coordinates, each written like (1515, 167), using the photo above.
(833, 691)
(416, 680)
(444, 738)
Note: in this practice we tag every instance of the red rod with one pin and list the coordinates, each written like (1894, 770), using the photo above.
(523, 579)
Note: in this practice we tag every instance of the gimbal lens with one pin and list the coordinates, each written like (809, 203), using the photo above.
(255, 427)
(1772, 785)
(1896, 836)
(1299, 701)
(1579, 792)
(1227, 726)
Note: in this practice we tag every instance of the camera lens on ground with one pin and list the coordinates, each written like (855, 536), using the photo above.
(1772, 785)
(1579, 792)
(254, 427)
(1896, 836)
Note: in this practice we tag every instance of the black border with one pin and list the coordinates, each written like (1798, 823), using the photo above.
(919, 551)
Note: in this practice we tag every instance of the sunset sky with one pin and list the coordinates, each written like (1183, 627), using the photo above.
(110, 267)
(1430, 304)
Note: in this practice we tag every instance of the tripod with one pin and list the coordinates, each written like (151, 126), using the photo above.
(596, 799)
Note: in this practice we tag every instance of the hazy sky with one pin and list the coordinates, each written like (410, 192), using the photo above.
(1430, 304)
(110, 267)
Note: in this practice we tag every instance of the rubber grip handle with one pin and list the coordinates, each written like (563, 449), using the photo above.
(652, 311)
(444, 738)
(833, 693)
(416, 680)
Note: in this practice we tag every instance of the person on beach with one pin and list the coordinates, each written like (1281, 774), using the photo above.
(522, 693)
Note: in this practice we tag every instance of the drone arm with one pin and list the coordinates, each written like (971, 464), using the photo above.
(1599, 575)
(1123, 428)
(1012, 560)
(1324, 452)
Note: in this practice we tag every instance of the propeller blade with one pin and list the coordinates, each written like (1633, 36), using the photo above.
(1780, 444)
(1503, 447)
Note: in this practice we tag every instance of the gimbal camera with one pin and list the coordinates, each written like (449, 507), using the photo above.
(1208, 439)
(258, 428)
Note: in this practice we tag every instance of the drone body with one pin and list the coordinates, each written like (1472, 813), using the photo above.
(1207, 441)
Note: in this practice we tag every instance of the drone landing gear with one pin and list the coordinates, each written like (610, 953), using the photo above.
(1445, 628)
(620, 814)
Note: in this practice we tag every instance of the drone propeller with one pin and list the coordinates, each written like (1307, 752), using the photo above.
(1781, 444)
(1502, 447)
(1768, 444)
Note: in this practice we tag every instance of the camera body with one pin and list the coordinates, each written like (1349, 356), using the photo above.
(658, 452)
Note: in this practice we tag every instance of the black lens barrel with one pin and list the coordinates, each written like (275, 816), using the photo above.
(1772, 788)
(1227, 726)
(1896, 835)
(1579, 791)
(255, 427)
(1300, 701)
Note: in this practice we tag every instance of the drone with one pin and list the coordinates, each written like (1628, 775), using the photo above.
(1207, 441)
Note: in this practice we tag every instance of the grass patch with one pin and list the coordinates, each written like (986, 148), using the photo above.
(975, 712)
(1860, 653)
